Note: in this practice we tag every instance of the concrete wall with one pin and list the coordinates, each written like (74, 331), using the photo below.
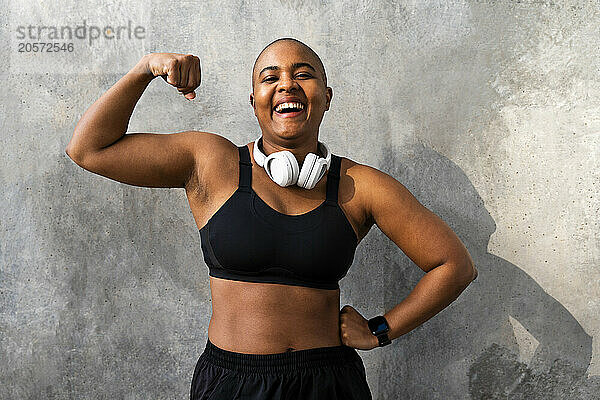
(486, 110)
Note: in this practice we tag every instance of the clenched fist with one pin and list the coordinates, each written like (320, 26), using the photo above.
(179, 70)
(354, 330)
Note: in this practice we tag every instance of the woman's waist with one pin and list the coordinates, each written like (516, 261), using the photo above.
(269, 318)
(264, 331)
(264, 340)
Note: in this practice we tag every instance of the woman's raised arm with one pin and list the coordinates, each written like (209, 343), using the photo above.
(100, 143)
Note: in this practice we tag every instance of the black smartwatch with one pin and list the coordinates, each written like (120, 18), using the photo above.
(379, 327)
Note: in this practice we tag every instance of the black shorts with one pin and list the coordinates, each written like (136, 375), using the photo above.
(323, 373)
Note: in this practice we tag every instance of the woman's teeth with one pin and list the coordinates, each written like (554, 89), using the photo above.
(284, 106)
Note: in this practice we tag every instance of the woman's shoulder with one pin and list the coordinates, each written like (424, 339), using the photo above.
(365, 180)
(211, 141)
(212, 153)
(356, 175)
(213, 149)
(360, 172)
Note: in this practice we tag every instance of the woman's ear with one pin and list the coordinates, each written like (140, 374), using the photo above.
(329, 96)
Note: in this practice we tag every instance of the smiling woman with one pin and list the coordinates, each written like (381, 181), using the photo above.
(279, 219)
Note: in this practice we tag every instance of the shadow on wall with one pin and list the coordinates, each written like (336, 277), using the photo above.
(470, 350)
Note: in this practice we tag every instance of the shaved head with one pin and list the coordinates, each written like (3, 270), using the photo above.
(319, 65)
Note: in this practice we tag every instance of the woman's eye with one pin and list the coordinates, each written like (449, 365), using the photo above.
(301, 75)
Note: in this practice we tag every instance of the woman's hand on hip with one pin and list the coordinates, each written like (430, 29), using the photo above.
(354, 330)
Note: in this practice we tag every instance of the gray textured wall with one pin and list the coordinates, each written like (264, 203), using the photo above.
(486, 110)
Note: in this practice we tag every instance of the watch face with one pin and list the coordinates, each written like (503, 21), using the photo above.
(381, 327)
(378, 325)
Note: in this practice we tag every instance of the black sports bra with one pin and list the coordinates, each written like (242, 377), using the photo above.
(247, 240)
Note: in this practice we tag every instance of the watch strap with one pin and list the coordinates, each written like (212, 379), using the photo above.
(383, 339)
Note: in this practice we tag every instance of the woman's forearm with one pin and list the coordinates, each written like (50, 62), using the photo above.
(434, 291)
(106, 121)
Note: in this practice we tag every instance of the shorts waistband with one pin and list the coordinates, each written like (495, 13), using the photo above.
(280, 362)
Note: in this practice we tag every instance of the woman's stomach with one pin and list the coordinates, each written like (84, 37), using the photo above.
(265, 318)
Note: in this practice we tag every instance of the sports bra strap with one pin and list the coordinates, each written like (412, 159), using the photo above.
(245, 181)
(333, 181)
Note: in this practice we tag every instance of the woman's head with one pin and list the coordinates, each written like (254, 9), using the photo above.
(285, 68)
(299, 43)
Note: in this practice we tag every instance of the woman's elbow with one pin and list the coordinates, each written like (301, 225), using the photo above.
(465, 271)
(470, 272)
(73, 155)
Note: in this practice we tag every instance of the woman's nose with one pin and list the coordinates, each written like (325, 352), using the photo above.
(286, 82)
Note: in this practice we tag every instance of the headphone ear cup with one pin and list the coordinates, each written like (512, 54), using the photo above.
(292, 167)
(282, 168)
(306, 178)
(319, 171)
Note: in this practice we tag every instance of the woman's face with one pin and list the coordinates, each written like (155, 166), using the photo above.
(286, 69)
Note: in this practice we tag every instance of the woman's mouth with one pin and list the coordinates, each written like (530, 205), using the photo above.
(289, 108)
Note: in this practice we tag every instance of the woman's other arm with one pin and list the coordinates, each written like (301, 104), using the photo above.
(100, 143)
(428, 241)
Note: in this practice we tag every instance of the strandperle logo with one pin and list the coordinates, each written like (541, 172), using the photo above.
(80, 32)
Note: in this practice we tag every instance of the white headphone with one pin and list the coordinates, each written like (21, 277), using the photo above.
(282, 167)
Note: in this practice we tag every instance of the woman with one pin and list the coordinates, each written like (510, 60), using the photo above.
(279, 219)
